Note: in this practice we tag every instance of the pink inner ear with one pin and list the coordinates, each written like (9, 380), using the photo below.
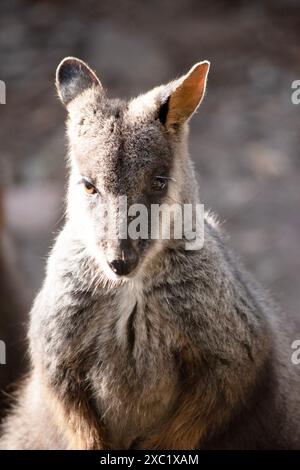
(187, 96)
(197, 80)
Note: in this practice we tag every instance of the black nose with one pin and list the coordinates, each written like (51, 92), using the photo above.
(121, 267)
(123, 258)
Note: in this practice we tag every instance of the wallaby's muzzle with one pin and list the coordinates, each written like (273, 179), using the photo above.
(124, 259)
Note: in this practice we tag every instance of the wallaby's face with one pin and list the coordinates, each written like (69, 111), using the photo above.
(123, 154)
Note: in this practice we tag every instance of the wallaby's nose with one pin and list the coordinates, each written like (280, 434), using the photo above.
(120, 267)
(123, 265)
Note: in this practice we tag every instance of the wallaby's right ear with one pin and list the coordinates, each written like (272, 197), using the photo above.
(73, 76)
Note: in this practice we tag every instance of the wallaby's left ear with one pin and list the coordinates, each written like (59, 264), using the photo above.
(182, 97)
(73, 76)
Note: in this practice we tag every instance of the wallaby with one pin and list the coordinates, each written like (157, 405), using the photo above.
(142, 343)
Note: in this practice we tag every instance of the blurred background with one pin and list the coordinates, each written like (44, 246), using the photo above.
(245, 139)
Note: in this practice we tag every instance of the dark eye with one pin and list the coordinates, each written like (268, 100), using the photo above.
(159, 183)
(89, 187)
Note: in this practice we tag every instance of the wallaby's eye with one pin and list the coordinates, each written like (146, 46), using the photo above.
(159, 183)
(89, 187)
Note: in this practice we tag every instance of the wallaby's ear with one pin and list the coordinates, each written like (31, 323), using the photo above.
(73, 76)
(182, 97)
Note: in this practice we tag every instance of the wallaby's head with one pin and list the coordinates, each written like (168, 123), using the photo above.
(135, 149)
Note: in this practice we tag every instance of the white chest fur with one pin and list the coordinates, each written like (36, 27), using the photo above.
(129, 297)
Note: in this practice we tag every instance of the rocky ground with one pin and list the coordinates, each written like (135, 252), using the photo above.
(244, 140)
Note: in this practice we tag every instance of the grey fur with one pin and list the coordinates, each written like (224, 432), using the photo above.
(187, 326)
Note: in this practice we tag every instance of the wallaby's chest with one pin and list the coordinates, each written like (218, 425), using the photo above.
(137, 382)
(126, 346)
